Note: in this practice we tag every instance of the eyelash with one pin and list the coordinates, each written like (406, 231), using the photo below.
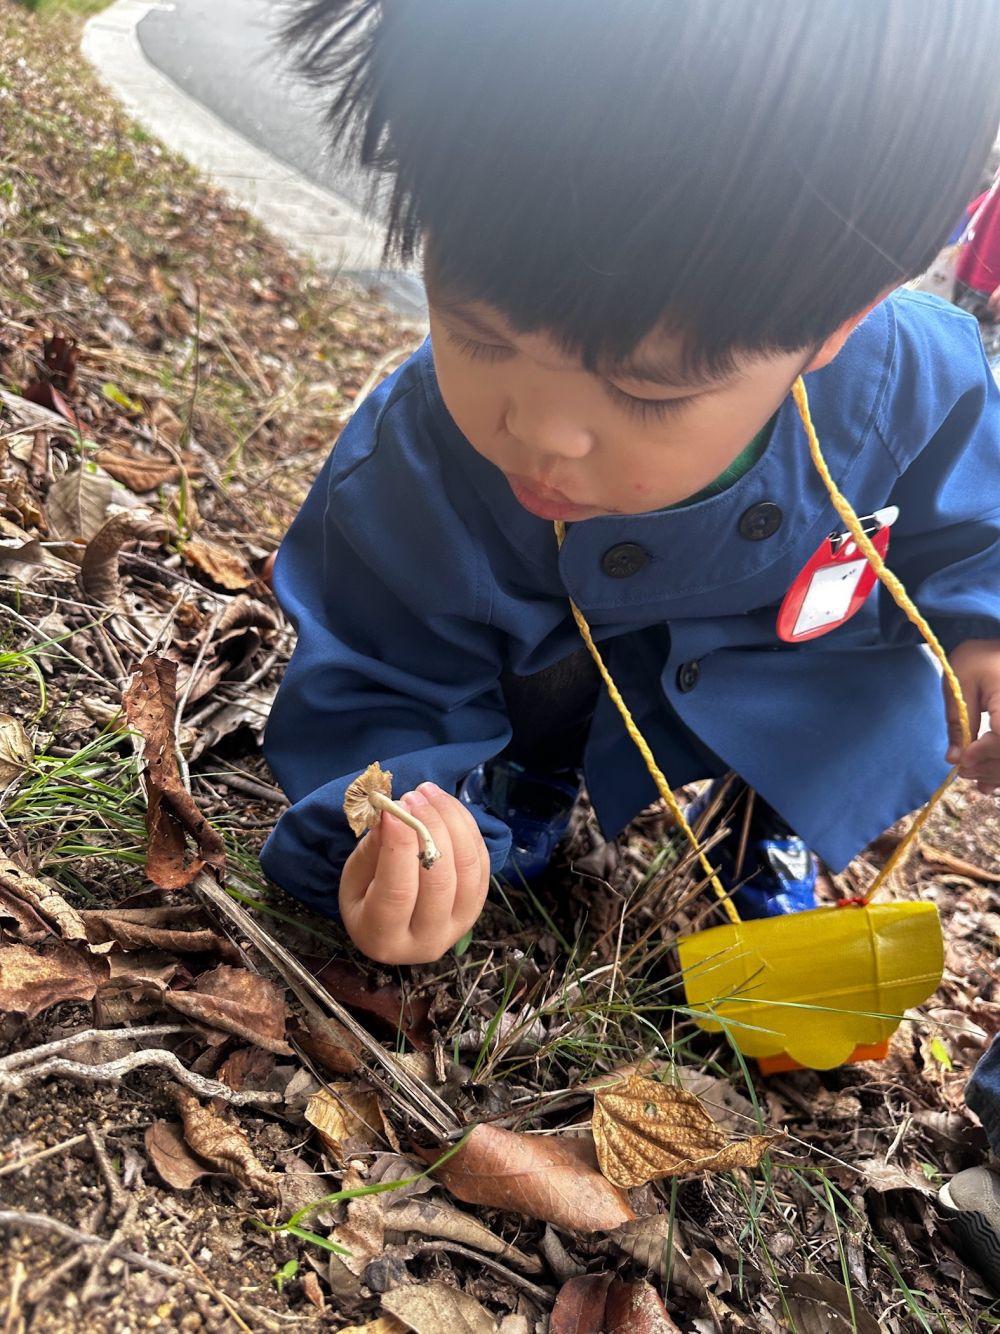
(645, 409)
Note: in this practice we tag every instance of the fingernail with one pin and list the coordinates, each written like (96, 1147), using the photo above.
(953, 754)
(429, 789)
(414, 799)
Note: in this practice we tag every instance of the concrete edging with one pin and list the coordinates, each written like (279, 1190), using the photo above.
(312, 220)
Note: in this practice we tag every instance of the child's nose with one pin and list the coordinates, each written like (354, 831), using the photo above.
(549, 430)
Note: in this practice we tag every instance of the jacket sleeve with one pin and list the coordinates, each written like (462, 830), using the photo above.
(945, 546)
(395, 660)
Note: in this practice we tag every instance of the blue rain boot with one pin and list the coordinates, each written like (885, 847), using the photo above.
(536, 807)
(778, 874)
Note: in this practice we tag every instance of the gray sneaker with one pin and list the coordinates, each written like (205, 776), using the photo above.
(971, 1201)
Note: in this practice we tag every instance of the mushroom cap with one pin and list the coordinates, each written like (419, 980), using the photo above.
(358, 808)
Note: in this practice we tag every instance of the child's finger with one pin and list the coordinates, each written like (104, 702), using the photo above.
(981, 761)
(471, 858)
(392, 893)
(970, 691)
(433, 908)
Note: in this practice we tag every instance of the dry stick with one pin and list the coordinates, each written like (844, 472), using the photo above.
(112, 1071)
(14, 1321)
(543, 1296)
(34, 1055)
(20, 1163)
(425, 1105)
(15, 1218)
(220, 1296)
(232, 779)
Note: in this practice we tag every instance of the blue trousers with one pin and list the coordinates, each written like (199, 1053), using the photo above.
(982, 1093)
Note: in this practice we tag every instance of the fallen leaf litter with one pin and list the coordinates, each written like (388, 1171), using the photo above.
(94, 562)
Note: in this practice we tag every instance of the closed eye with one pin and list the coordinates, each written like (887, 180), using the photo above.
(644, 409)
(648, 409)
(477, 351)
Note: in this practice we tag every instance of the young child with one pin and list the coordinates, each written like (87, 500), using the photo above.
(640, 223)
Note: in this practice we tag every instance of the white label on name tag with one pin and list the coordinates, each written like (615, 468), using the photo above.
(828, 596)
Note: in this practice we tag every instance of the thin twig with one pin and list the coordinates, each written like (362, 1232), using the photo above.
(424, 1104)
(219, 1295)
(543, 1296)
(112, 1071)
(15, 1218)
(19, 1164)
(33, 1055)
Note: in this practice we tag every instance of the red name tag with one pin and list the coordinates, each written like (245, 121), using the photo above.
(835, 582)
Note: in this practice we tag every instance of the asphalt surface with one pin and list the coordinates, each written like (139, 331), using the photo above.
(226, 55)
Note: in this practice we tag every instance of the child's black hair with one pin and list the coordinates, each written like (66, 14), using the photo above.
(749, 172)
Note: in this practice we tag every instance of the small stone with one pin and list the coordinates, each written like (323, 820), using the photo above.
(205, 1256)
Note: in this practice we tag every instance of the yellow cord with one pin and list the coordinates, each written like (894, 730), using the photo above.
(902, 600)
(899, 595)
(662, 786)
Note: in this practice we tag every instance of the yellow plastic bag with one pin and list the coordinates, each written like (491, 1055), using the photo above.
(814, 988)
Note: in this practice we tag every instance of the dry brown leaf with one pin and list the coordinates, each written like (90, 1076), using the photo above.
(16, 751)
(947, 861)
(43, 897)
(150, 706)
(29, 927)
(438, 1308)
(171, 1156)
(31, 980)
(820, 1305)
(20, 559)
(247, 1068)
(330, 1045)
(400, 1014)
(646, 1240)
(636, 1308)
(224, 567)
(138, 928)
(135, 986)
(579, 1305)
(139, 472)
(440, 1220)
(313, 1292)
(543, 1177)
(77, 505)
(385, 1324)
(362, 1234)
(348, 1120)
(99, 568)
(223, 1144)
(644, 1130)
(236, 1001)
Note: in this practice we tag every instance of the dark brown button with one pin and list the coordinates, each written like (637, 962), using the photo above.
(624, 560)
(760, 521)
(687, 676)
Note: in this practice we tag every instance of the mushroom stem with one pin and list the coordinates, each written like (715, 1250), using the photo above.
(430, 852)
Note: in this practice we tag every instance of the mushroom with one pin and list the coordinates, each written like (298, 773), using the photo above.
(369, 795)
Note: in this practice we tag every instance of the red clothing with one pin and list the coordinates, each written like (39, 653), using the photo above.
(978, 264)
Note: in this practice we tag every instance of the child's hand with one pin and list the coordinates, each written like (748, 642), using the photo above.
(395, 911)
(977, 666)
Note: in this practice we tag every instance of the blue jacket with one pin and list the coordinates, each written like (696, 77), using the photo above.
(414, 578)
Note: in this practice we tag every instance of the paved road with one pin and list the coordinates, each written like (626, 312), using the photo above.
(225, 54)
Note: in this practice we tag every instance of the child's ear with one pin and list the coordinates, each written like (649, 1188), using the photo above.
(832, 345)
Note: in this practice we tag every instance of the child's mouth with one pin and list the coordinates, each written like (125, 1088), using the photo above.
(548, 504)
